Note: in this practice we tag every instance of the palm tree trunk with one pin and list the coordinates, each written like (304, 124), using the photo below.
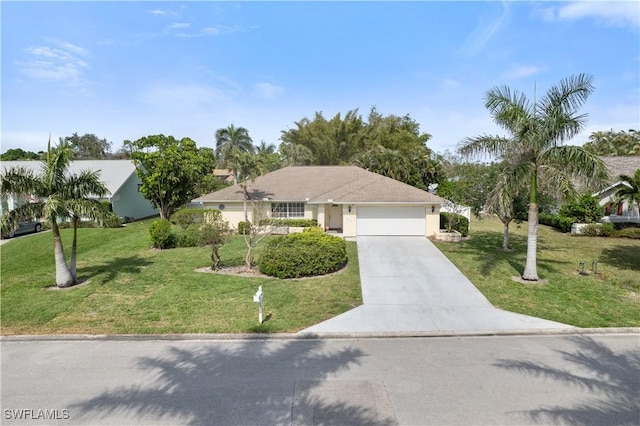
(72, 261)
(530, 268)
(63, 275)
(505, 237)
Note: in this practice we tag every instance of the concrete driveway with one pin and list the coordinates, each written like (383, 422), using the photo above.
(408, 285)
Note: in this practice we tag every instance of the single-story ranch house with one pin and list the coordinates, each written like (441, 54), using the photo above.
(119, 177)
(344, 198)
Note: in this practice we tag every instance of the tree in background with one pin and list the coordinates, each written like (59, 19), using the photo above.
(230, 143)
(59, 196)
(336, 141)
(416, 168)
(89, 147)
(295, 155)
(612, 143)
(18, 154)
(534, 147)
(268, 156)
(169, 170)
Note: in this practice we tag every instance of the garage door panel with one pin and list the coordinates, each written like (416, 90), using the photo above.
(391, 220)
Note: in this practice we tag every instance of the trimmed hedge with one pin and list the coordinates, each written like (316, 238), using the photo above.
(562, 223)
(187, 217)
(299, 223)
(304, 254)
(460, 223)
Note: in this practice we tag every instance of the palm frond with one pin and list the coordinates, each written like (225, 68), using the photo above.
(20, 180)
(28, 211)
(86, 183)
(480, 146)
(576, 162)
(511, 110)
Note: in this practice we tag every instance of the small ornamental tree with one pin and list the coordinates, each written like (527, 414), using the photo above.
(214, 233)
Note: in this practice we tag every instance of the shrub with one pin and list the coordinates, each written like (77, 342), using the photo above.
(161, 236)
(629, 233)
(460, 223)
(107, 205)
(313, 230)
(304, 254)
(112, 221)
(244, 227)
(562, 223)
(187, 217)
(585, 209)
(591, 230)
(301, 223)
(607, 230)
(188, 238)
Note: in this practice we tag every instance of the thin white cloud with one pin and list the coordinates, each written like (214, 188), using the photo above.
(179, 25)
(59, 61)
(609, 13)
(521, 71)
(268, 90)
(210, 31)
(162, 12)
(485, 30)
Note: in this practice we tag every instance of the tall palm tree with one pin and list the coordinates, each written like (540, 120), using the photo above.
(59, 195)
(630, 193)
(537, 131)
(230, 143)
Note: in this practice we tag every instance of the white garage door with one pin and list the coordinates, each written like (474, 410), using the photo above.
(391, 220)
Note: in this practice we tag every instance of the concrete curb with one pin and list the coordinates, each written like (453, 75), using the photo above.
(310, 336)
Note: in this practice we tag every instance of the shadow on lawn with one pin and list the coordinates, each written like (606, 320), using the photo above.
(115, 267)
(242, 382)
(622, 257)
(486, 247)
(612, 379)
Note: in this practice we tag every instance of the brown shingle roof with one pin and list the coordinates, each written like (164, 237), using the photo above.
(621, 166)
(318, 184)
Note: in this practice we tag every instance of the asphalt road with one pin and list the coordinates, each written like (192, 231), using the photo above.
(530, 379)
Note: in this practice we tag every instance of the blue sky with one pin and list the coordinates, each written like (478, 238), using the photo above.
(123, 70)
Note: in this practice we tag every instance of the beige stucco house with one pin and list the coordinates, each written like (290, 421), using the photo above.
(348, 199)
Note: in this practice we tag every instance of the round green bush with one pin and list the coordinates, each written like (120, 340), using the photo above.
(161, 236)
(302, 255)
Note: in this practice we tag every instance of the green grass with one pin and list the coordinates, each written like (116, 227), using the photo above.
(611, 299)
(133, 289)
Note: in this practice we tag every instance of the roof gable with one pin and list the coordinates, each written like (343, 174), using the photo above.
(322, 184)
(114, 173)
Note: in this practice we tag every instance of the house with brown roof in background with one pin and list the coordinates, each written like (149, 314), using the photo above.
(347, 199)
(616, 211)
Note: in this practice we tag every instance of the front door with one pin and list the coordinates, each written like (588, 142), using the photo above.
(335, 217)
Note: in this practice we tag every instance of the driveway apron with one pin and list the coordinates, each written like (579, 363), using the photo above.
(408, 285)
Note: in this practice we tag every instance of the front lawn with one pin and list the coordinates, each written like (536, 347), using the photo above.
(132, 289)
(610, 299)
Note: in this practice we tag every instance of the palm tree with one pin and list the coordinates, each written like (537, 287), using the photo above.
(60, 195)
(537, 131)
(630, 193)
(230, 143)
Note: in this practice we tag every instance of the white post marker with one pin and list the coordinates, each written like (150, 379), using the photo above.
(258, 299)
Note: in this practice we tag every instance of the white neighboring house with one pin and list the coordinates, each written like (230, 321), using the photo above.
(119, 177)
(347, 199)
(617, 212)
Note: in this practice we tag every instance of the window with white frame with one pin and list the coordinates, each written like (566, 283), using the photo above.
(287, 210)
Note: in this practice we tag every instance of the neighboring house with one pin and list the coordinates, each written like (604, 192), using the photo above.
(225, 175)
(348, 199)
(616, 212)
(119, 177)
